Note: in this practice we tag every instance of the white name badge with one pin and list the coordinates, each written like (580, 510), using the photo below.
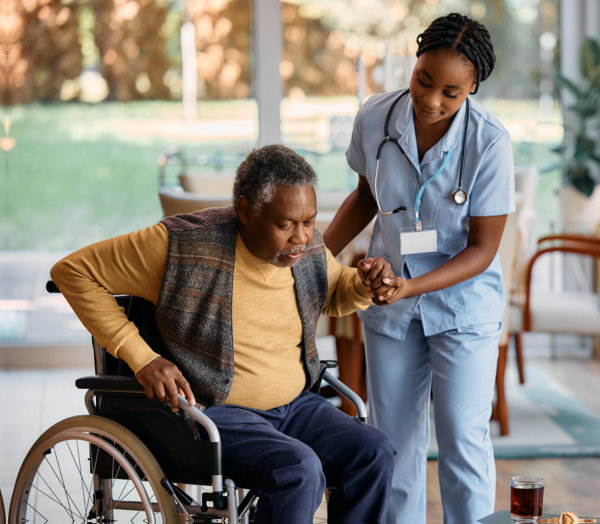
(412, 242)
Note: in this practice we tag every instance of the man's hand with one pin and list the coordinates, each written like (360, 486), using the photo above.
(162, 380)
(376, 274)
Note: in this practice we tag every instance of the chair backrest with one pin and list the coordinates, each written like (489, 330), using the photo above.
(218, 184)
(174, 201)
(507, 252)
(526, 182)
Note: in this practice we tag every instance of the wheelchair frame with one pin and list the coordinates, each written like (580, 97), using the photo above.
(126, 456)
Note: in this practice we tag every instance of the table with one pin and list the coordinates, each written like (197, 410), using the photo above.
(503, 517)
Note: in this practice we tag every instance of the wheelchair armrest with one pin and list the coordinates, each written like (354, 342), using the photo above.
(111, 383)
(347, 392)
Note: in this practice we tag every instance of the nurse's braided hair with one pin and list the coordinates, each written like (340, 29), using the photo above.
(467, 36)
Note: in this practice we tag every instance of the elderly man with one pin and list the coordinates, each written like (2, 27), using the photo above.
(238, 292)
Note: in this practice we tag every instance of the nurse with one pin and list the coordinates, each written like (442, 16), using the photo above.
(436, 170)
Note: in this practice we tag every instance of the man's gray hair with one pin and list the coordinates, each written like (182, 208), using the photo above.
(266, 168)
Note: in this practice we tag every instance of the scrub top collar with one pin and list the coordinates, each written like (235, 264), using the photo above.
(408, 141)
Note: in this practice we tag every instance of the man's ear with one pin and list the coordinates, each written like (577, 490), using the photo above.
(243, 209)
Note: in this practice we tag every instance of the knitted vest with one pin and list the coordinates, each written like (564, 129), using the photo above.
(194, 309)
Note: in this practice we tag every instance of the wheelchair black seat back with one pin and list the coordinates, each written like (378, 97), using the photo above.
(173, 438)
(131, 458)
(126, 460)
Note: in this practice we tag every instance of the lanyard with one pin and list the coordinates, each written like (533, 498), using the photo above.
(420, 190)
(458, 195)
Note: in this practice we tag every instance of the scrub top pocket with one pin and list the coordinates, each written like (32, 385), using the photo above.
(451, 222)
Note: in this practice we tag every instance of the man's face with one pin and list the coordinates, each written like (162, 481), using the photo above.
(281, 229)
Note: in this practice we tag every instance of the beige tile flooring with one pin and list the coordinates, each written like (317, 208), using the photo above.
(32, 400)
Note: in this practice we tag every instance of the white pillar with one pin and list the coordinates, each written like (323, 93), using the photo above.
(592, 18)
(266, 55)
(571, 36)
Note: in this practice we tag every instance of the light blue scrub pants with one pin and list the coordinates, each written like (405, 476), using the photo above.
(460, 367)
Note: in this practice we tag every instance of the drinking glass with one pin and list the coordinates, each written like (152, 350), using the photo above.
(526, 498)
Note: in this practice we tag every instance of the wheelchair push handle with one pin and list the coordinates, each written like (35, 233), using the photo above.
(51, 287)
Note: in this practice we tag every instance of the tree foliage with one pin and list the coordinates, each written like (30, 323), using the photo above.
(39, 49)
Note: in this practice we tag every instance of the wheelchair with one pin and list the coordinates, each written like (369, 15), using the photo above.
(131, 459)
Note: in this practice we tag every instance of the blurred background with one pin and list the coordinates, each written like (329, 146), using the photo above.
(95, 91)
(108, 105)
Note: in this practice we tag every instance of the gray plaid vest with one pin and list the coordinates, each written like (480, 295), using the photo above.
(194, 310)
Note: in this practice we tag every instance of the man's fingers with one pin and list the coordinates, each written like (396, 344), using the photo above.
(173, 399)
(149, 391)
(186, 391)
(162, 380)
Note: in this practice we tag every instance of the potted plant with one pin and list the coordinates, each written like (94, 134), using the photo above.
(580, 151)
(581, 156)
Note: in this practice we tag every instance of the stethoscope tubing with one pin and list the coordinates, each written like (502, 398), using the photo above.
(458, 195)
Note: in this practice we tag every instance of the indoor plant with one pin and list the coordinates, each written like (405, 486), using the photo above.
(579, 150)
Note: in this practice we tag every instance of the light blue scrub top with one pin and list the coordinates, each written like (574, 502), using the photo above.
(488, 180)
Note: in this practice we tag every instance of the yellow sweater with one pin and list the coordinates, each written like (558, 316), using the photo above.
(267, 328)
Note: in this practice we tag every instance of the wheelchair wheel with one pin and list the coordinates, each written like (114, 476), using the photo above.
(91, 470)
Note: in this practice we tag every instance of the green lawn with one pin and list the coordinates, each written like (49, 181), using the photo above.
(81, 172)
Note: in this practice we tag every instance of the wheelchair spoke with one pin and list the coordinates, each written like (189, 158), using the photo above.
(37, 513)
(86, 491)
(55, 496)
(87, 470)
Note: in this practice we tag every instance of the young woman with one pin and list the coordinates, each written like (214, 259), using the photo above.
(436, 169)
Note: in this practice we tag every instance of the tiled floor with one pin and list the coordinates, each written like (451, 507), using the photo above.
(33, 400)
(38, 326)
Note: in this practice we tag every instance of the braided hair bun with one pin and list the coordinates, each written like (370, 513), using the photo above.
(467, 36)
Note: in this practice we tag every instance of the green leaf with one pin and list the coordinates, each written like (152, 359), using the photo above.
(584, 184)
(589, 56)
(557, 148)
(571, 86)
(584, 147)
(595, 79)
(584, 108)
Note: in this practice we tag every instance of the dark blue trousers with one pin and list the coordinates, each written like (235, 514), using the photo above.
(289, 454)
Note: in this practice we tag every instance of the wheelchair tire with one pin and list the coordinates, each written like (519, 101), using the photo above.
(59, 481)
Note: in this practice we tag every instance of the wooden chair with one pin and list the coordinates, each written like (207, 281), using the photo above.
(550, 311)
(350, 352)
(507, 252)
(562, 310)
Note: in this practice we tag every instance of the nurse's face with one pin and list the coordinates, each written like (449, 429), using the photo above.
(440, 83)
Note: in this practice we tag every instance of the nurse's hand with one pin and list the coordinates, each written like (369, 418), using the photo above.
(373, 272)
(392, 290)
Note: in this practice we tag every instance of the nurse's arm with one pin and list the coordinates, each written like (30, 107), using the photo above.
(482, 245)
(352, 217)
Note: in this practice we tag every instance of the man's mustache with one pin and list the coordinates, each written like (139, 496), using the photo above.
(293, 251)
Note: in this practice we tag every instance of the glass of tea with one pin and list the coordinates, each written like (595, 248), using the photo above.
(526, 498)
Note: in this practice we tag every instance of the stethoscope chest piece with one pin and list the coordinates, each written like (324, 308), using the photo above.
(459, 196)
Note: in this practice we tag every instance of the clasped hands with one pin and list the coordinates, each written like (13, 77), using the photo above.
(383, 287)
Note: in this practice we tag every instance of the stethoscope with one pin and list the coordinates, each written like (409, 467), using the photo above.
(458, 195)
